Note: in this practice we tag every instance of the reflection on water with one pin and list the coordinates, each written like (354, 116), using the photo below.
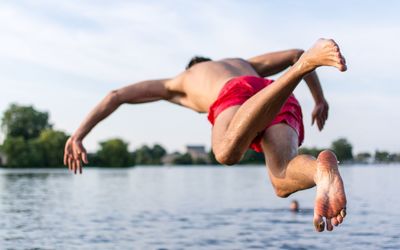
(187, 208)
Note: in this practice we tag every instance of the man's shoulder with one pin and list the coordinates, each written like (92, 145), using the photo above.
(232, 59)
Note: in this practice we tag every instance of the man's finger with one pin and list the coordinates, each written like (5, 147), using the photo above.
(77, 154)
(70, 162)
(84, 157)
(79, 166)
(325, 116)
(75, 166)
(65, 158)
(319, 124)
(66, 153)
(72, 165)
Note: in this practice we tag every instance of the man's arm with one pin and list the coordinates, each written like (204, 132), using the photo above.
(146, 91)
(320, 112)
(272, 63)
(275, 62)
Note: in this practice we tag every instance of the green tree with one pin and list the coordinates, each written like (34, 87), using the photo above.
(310, 151)
(150, 156)
(51, 143)
(21, 153)
(363, 157)
(184, 159)
(157, 152)
(211, 156)
(143, 156)
(2, 163)
(252, 157)
(114, 153)
(381, 156)
(199, 161)
(24, 121)
(343, 149)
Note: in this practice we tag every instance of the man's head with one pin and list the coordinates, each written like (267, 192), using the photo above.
(197, 59)
(294, 206)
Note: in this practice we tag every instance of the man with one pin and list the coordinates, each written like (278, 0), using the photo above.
(247, 110)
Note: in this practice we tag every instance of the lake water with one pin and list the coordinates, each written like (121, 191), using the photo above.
(188, 208)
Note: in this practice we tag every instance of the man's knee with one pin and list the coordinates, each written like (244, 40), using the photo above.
(227, 157)
(280, 190)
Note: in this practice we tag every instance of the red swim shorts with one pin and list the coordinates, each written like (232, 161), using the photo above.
(237, 90)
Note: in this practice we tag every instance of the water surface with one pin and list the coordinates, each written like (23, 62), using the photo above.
(188, 208)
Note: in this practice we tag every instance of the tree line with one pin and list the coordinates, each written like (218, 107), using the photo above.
(31, 141)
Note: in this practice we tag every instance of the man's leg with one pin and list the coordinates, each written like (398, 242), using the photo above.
(290, 172)
(236, 127)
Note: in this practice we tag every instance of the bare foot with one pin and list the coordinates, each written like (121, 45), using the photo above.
(330, 201)
(325, 52)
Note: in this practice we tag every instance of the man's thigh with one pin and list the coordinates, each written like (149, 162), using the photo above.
(221, 125)
(280, 145)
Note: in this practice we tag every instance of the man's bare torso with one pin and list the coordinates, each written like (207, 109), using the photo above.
(199, 86)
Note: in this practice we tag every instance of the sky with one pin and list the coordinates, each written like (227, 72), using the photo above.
(63, 57)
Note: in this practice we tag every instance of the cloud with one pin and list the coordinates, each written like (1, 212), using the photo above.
(80, 50)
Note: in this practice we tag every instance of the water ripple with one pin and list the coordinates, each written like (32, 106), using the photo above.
(178, 208)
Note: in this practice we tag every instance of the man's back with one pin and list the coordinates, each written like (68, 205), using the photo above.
(200, 85)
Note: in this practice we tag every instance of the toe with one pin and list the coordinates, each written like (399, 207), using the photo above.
(339, 219)
(319, 223)
(329, 226)
(334, 221)
(343, 59)
(343, 212)
(341, 67)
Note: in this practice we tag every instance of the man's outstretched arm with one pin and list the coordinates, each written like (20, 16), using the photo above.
(146, 91)
(320, 112)
(274, 62)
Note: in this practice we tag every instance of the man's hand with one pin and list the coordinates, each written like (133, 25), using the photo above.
(320, 114)
(75, 155)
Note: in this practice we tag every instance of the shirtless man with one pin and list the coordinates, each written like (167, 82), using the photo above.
(247, 110)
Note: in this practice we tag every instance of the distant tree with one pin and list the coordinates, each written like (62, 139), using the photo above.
(200, 161)
(184, 159)
(24, 121)
(157, 152)
(381, 156)
(211, 156)
(252, 157)
(1, 153)
(394, 157)
(143, 155)
(93, 159)
(310, 151)
(21, 153)
(30, 141)
(363, 157)
(343, 149)
(114, 153)
(150, 156)
(51, 143)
